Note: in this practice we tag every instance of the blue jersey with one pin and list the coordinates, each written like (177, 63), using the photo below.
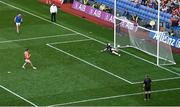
(18, 19)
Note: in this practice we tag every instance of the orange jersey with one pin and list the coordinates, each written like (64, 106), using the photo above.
(26, 55)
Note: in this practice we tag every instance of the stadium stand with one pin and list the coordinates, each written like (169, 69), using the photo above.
(147, 10)
(140, 11)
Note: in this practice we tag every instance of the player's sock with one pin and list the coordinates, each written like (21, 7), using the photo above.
(116, 54)
(17, 31)
(24, 65)
(145, 96)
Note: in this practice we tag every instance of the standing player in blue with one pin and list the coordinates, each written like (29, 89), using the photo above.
(18, 21)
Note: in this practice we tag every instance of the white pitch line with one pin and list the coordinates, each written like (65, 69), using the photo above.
(49, 21)
(89, 63)
(112, 97)
(84, 35)
(81, 40)
(35, 38)
(156, 80)
(18, 96)
(150, 62)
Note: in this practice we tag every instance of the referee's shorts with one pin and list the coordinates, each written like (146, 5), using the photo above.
(147, 88)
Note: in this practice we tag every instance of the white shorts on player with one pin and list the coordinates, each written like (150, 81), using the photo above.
(27, 60)
(18, 24)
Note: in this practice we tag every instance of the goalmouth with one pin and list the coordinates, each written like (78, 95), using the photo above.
(152, 42)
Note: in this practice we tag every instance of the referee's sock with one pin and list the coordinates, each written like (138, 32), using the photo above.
(149, 95)
(146, 96)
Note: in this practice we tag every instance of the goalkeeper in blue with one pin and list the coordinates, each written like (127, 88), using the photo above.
(111, 49)
(18, 21)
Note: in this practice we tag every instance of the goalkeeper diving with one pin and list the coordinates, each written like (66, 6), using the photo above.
(110, 49)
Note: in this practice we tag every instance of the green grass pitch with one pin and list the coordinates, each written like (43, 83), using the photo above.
(71, 70)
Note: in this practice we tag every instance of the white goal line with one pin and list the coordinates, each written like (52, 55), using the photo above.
(18, 96)
(157, 80)
(164, 68)
(35, 38)
(113, 97)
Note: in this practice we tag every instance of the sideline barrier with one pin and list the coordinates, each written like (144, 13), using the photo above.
(57, 2)
(94, 12)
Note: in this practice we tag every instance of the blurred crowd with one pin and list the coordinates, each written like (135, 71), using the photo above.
(168, 6)
(97, 5)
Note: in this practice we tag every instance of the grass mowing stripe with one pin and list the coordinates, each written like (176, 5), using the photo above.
(164, 79)
(90, 64)
(87, 36)
(112, 97)
(18, 96)
(69, 41)
(35, 38)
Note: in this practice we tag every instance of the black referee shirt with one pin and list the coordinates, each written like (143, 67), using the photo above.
(147, 82)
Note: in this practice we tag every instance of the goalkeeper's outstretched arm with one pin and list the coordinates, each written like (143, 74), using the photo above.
(105, 49)
(108, 46)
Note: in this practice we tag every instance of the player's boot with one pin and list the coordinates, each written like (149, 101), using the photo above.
(23, 67)
(34, 68)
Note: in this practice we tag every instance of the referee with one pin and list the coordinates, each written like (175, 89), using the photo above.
(147, 87)
(53, 11)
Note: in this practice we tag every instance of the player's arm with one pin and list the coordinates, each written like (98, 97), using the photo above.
(29, 55)
(104, 50)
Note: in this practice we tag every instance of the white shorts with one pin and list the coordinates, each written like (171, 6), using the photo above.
(28, 60)
(18, 24)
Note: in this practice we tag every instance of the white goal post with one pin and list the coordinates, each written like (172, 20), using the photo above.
(129, 34)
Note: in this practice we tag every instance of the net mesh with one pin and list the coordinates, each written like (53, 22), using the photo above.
(129, 34)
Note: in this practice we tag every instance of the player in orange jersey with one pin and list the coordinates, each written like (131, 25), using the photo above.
(27, 59)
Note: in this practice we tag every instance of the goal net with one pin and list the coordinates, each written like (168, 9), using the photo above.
(151, 42)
